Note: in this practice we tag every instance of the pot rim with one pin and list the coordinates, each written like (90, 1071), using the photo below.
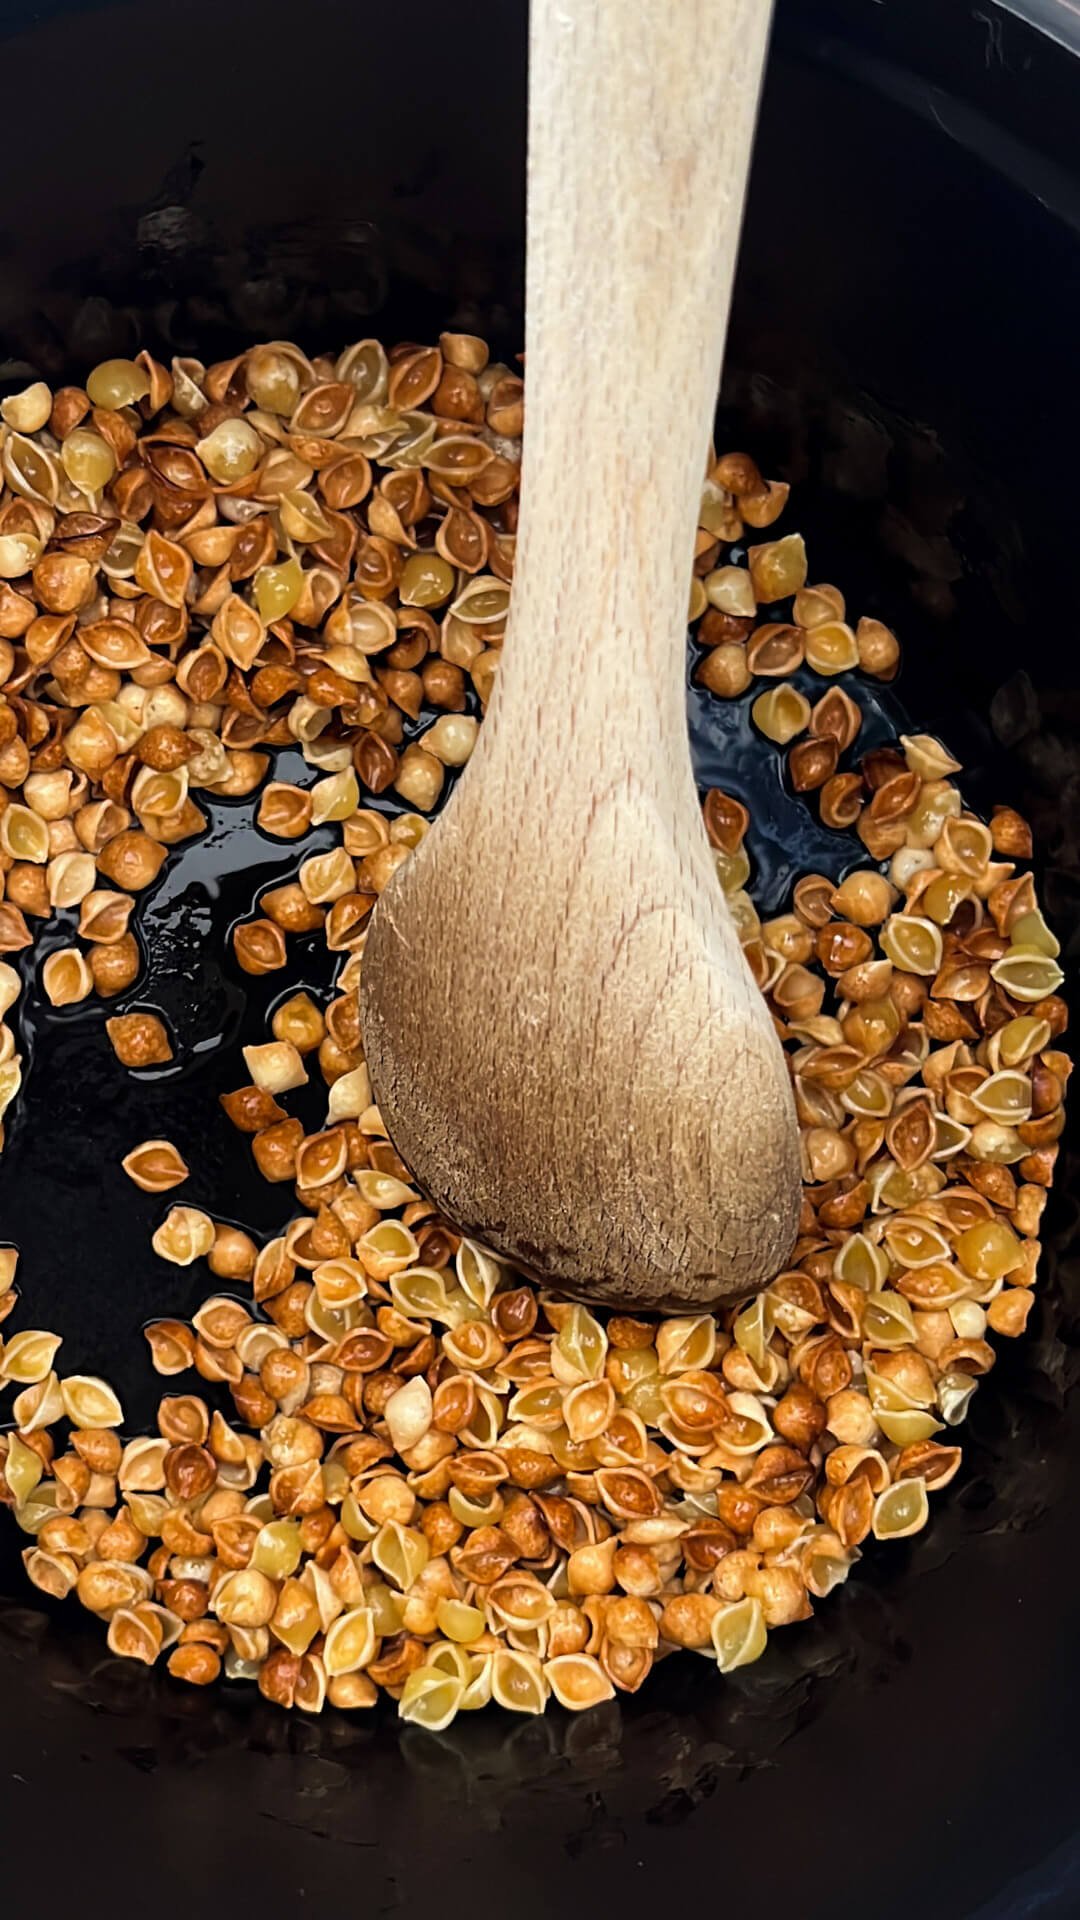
(1058, 18)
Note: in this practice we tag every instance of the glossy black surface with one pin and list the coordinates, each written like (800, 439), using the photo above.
(903, 350)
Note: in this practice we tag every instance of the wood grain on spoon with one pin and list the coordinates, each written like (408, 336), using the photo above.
(563, 1036)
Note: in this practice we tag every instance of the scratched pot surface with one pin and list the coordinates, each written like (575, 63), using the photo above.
(911, 1748)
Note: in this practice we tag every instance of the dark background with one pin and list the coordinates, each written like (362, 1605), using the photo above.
(904, 349)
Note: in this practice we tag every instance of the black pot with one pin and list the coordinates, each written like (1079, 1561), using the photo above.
(903, 350)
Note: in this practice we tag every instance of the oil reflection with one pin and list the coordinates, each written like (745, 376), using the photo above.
(656, 1757)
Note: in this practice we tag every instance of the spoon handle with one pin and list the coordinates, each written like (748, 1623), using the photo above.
(641, 119)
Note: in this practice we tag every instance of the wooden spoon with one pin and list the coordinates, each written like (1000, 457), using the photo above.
(564, 1039)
